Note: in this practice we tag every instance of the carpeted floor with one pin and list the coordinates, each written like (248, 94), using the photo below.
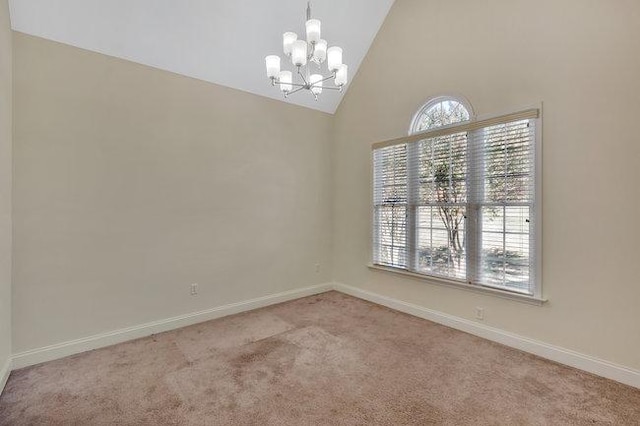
(326, 359)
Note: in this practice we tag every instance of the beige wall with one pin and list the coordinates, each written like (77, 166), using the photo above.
(578, 57)
(5, 183)
(131, 183)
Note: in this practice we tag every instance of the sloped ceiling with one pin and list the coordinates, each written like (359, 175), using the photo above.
(223, 42)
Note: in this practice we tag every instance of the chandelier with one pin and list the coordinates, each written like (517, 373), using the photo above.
(307, 56)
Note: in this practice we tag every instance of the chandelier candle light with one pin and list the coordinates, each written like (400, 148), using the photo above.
(308, 57)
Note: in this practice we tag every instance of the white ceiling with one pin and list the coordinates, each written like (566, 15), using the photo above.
(221, 41)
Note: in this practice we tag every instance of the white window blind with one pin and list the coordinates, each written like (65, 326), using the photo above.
(439, 203)
(459, 202)
(390, 211)
(504, 199)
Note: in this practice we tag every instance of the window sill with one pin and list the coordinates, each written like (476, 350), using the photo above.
(524, 298)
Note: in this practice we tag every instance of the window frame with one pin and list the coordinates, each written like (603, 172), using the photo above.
(436, 100)
(535, 237)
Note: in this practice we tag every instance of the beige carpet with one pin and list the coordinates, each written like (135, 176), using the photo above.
(327, 359)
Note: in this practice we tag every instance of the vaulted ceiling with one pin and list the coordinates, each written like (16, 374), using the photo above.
(223, 42)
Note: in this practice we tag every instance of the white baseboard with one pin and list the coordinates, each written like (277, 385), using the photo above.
(60, 350)
(568, 357)
(4, 373)
(564, 356)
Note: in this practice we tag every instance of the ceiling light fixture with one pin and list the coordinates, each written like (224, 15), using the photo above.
(307, 56)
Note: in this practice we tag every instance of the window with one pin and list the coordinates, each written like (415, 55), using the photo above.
(457, 198)
(440, 111)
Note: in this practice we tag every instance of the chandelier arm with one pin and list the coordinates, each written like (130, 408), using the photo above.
(306, 83)
(275, 82)
(326, 87)
(329, 78)
(294, 91)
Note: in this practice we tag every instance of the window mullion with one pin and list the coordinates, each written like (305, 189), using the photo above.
(413, 187)
(475, 186)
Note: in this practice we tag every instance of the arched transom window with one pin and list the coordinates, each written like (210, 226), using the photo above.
(440, 111)
(457, 198)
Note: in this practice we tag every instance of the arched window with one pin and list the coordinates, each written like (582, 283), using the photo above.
(457, 198)
(440, 189)
(440, 111)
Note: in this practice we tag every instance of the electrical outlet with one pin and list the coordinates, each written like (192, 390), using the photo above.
(194, 289)
(317, 267)
(479, 313)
